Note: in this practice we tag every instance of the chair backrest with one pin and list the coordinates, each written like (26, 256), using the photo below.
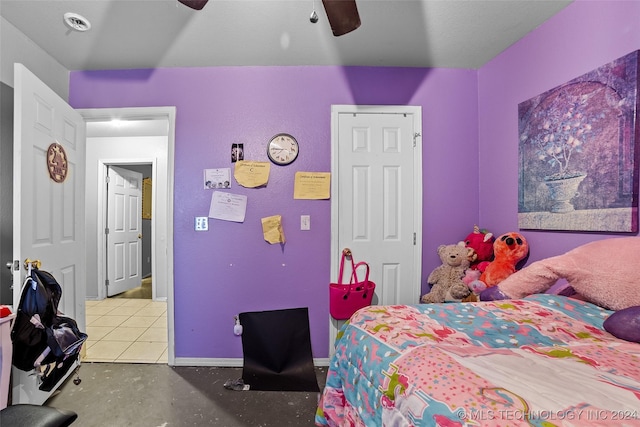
(26, 415)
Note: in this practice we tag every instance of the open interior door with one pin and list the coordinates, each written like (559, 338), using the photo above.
(48, 202)
(124, 225)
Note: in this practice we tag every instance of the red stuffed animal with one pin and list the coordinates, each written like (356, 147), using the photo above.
(508, 250)
(481, 241)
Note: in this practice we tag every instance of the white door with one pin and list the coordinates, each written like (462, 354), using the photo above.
(124, 230)
(377, 197)
(48, 203)
(48, 216)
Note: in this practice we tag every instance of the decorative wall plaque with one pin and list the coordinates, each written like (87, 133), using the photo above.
(57, 162)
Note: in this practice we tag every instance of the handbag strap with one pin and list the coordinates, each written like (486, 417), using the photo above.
(354, 273)
(346, 253)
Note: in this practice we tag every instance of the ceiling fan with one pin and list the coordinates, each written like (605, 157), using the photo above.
(194, 4)
(342, 14)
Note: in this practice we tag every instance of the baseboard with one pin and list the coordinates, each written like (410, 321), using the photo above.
(229, 363)
(323, 361)
(202, 361)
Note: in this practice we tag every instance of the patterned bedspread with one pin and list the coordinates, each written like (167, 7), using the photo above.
(541, 361)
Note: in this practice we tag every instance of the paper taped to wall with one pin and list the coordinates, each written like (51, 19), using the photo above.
(312, 185)
(228, 207)
(272, 229)
(252, 174)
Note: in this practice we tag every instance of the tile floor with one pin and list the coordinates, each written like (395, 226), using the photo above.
(124, 330)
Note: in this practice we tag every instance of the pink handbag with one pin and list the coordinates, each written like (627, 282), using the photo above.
(347, 298)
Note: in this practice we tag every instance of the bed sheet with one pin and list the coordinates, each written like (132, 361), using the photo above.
(540, 361)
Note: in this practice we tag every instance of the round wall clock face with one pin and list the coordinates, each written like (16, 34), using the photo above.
(282, 149)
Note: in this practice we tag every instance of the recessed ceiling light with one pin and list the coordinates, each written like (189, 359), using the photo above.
(77, 22)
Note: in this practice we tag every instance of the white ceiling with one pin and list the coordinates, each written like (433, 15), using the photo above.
(129, 34)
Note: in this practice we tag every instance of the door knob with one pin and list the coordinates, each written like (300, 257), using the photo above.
(13, 265)
(139, 236)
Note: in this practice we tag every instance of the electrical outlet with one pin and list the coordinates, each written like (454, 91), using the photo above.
(305, 222)
(202, 223)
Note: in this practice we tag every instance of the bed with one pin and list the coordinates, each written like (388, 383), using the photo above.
(544, 360)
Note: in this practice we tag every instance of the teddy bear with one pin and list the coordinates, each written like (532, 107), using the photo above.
(603, 272)
(446, 279)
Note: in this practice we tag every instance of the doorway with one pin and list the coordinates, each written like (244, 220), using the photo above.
(128, 232)
(376, 194)
(141, 136)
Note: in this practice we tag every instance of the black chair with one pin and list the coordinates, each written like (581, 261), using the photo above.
(25, 415)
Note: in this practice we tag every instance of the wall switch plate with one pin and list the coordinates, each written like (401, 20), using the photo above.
(305, 222)
(202, 223)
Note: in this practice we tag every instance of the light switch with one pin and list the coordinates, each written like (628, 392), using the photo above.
(305, 222)
(202, 223)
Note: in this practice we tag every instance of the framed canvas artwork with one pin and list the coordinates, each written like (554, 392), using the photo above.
(578, 153)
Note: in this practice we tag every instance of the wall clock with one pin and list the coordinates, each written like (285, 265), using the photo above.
(282, 149)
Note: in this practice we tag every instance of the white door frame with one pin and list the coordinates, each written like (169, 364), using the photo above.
(162, 251)
(336, 110)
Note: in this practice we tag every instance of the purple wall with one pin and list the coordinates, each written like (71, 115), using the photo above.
(230, 268)
(469, 119)
(580, 38)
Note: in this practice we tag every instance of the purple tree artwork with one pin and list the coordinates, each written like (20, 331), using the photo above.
(578, 152)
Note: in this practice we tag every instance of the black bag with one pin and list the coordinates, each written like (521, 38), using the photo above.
(64, 338)
(30, 340)
(38, 326)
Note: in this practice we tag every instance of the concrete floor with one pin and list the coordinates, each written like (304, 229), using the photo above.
(140, 395)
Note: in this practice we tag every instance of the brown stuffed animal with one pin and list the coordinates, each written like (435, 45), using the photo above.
(446, 279)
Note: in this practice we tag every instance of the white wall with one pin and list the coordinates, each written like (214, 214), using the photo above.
(16, 47)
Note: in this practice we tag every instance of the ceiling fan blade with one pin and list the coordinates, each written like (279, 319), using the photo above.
(343, 15)
(194, 4)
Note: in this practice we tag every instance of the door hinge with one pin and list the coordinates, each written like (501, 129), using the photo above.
(416, 136)
(414, 239)
(107, 179)
(106, 283)
(106, 230)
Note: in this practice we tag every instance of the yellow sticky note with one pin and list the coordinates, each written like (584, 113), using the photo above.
(312, 185)
(252, 174)
(272, 229)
